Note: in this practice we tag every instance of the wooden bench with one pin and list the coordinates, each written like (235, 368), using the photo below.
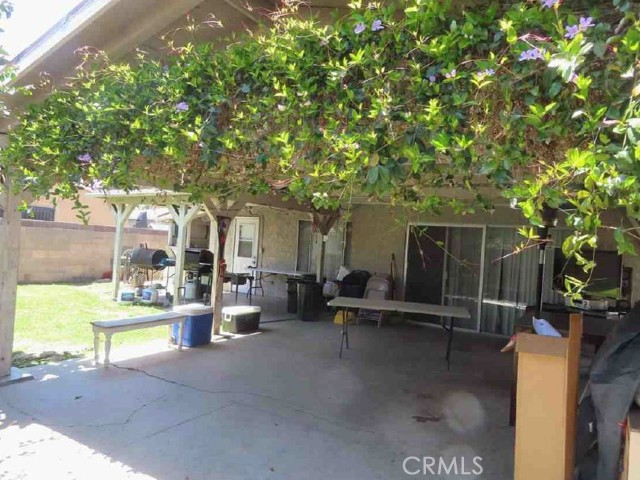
(109, 327)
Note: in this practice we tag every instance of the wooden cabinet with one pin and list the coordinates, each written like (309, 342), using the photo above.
(632, 446)
(547, 397)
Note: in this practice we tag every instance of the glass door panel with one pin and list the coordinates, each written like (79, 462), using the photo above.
(463, 272)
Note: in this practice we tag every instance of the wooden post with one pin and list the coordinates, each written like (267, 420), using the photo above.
(121, 212)
(213, 246)
(222, 212)
(182, 214)
(323, 221)
(9, 256)
(320, 259)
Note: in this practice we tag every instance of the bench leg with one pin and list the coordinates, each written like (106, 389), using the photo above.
(169, 335)
(96, 348)
(107, 348)
(180, 330)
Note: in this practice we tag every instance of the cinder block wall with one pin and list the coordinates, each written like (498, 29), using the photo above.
(63, 252)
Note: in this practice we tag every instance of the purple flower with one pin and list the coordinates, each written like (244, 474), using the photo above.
(583, 26)
(585, 23)
(377, 25)
(360, 27)
(531, 54)
(489, 72)
(572, 31)
(574, 77)
(182, 107)
(84, 158)
(432, 78)
(549, 3)
(451, 74)
(96, 185)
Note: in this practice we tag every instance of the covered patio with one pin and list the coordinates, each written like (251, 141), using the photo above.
(276, 404)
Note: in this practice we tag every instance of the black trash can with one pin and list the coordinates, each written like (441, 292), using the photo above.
(309, 300)
(292, 295)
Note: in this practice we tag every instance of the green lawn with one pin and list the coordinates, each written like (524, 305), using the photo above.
(56, 317)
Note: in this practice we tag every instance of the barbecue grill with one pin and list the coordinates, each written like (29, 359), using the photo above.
(148, 259)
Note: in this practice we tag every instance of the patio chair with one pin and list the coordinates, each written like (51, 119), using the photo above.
(378, 287)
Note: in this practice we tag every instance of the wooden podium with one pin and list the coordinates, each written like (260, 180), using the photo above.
(547, 398)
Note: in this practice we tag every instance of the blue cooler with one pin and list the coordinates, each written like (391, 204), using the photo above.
(197, 326)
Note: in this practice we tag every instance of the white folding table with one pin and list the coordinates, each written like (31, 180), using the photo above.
(346, 303)
(261, 273)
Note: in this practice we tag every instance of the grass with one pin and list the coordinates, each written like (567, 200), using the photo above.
(56, 318)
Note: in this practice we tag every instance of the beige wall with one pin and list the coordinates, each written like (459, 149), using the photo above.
(58, 252)
(100, 211)
(199, 233)
(278, 244)
(377, 232)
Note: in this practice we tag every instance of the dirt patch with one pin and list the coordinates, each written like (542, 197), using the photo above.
(25, 360)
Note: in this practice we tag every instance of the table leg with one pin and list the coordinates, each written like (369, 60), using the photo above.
(237, 286)
(449, 330)
(96, 348)
(250, 290)
(180, 334)
(345, 330)
(107, 348)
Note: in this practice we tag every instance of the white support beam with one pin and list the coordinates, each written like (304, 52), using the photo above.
(182, 214)
(9, 257)
(121, 213)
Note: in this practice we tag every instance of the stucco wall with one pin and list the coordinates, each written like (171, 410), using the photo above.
(377, 232)
(278, 244)
(380, 231)
(62, 252)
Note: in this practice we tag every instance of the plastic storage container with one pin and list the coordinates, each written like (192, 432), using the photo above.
(310, 300)
(241, 319)
(197, 326)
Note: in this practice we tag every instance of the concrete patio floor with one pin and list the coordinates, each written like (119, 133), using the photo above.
(278, 404)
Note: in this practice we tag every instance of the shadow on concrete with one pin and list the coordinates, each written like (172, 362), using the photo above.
(277, 404)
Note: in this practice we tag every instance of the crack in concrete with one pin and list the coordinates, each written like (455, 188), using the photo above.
(89, 425)
(180, 423)
(251, 394)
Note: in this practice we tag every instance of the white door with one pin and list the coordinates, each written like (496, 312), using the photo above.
(245, 250)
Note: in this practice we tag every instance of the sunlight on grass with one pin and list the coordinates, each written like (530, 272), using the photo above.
(56, 317)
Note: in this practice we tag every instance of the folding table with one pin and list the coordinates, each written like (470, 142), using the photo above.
(345, 303)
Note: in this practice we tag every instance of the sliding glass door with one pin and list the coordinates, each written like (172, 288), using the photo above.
(509, 280)
(444, 265)
(464, 271)
(479, 268)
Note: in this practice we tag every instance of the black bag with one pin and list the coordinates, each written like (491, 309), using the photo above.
(354, 284)
(614, 378)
